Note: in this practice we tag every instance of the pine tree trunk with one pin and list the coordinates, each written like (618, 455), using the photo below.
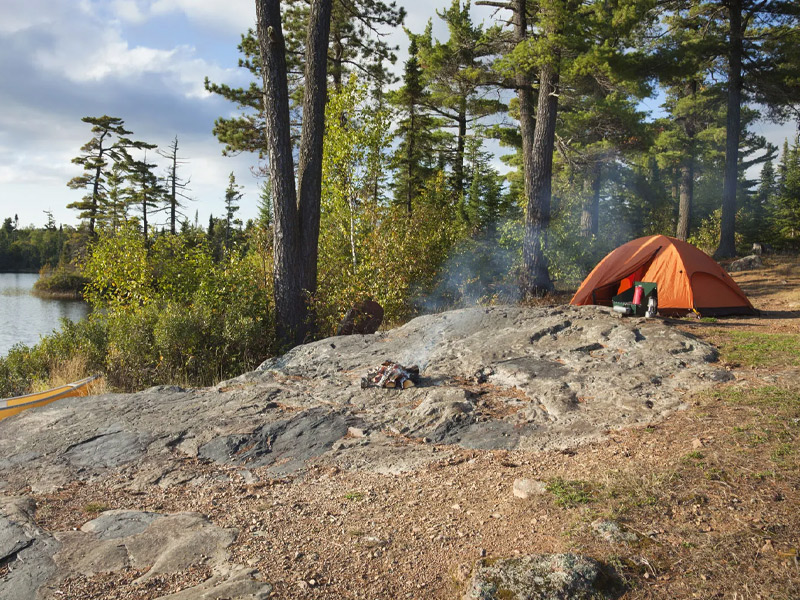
(173, 192)
(727, 242)
(410, 150)
(290, 305)
(590, 213)
(336, 64)
(458, 164)
(144, 220)
(686, 186)
(535, 276)
(95, 194)
(309, 171)
(686, 195)
(96, 186)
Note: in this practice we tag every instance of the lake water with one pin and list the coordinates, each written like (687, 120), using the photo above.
(24, 317)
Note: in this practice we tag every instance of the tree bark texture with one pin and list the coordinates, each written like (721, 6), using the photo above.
(590, 213)
(173, 190)
(533, 257)
(458, 163)
(96, 185)
(535, 276)
(686, 195)
(96, 191)
(290, 304)
(686, 185)
(309, 172)
(727, 243)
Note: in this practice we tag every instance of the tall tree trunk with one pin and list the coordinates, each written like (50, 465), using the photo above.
(590, 213)
(309, 171)
(531, 244)
(686, 186)
(686, 196)
(96, 186)
(95, 194)
(336, 63)
(410, 150)
(727, 242)
(173, 201)
(458, 163)
(290, 305)
(296, 211)
(535, 276)
(144, 219)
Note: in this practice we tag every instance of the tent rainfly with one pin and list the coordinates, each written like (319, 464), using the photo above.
(688, 279)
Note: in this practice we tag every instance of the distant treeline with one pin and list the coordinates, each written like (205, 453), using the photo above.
(31, 248)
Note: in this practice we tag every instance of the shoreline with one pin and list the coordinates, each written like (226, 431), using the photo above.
(58, 295)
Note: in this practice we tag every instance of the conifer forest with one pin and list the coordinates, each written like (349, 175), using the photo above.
(497, 163)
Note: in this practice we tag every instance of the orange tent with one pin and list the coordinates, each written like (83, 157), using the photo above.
(687, 278)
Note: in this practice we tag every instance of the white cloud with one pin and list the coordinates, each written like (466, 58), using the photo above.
(226, 16)
(129, 11)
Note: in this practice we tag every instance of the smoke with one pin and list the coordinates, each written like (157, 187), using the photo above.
(480, 270)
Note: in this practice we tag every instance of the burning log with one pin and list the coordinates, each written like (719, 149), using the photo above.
(392, 375)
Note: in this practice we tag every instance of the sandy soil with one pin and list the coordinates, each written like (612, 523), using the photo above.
(711, 492)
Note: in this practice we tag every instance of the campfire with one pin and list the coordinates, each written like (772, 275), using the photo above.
(392, 375)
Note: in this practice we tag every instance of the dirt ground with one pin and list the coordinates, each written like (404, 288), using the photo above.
(711, 493)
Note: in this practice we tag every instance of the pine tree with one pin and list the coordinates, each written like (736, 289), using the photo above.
(175, 185)
(753, 46)
(109, 144)
(232, 196)
(553, 39)
(145, 191)
(486, 204)
(296, 208)
(457, 80)
(416, 152)
(787, 205)
(117, 198)
(355, 43)
(757, 223)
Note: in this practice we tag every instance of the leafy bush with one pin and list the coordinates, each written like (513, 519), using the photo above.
(64, 281)
(163, 315)
(19, 370)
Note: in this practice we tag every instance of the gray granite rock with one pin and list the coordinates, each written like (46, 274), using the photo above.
(746, 263)
(611, 532)
(25, 548)
(542, 577)
(567, 374)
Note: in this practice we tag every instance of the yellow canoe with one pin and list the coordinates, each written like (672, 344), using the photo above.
(12, 406)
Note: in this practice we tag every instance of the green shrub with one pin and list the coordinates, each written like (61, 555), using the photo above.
(64, 281)
(19, 370)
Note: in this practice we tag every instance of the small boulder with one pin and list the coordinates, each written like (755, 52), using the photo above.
(748, 263)
(542, 577)
(527, 488)
(611, 532)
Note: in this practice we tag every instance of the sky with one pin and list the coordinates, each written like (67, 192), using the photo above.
(143, 61)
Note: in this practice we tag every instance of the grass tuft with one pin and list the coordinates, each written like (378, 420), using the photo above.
(570, 493)
(755, 349)
(94, 508)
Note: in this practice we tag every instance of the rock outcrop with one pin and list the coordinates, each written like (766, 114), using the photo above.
(491, 378)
